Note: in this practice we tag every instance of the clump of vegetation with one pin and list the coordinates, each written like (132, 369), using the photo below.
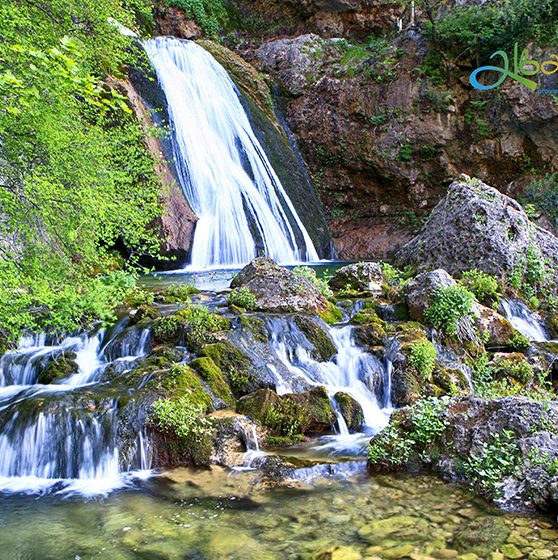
(286, 419)
(210, 15)
(448, 307)
(422, 357)
(493, 463)
(532, 274)
(242, 297)
(310, 275)
(414, 433)
(180, 416)
(484, 286)
(517, 342)
(542, 196)
(521, 371)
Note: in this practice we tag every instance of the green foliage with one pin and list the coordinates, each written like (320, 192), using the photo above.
(423, 357)
(517, 342)
(405, 153)
(242, 297)
(532, 274)
(76, 178)
(493, 463)
(210, 15)
(520, 371)
(542, 196)
(544, 460)
(484, 286)
(181, 416)
(410, 435)
(199, 323)
(448, 306)
(478, 31)
(310, 274)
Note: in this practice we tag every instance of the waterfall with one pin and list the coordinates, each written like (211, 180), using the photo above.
(352, 370)
(59, 436)
(242, 208)
(524, 320)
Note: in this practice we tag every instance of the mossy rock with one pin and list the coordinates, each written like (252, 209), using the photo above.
(60, 368)
(161, 358)
(350, 409)
(324, 347)
(371, 330)
(450, 381)
(233, 363)
(210, 372)
(255, 327)
(181, 380)
(289, 415)
(144, 314)
(332, 314)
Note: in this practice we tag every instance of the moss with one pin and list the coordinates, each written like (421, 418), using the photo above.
(182, 380)
(255, 327)
(284, 441)
(214, 377)
(61, 367)
(232, 362)
(144, 314)
(322, 342)
(332, 314)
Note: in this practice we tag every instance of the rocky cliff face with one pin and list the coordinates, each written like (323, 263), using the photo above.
(384, 137)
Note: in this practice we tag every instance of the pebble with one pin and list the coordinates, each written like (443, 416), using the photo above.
(549, 534)
(541, 554)
(511, 551)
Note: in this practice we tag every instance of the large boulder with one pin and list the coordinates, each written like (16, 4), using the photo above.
(515, 438)
(362, 277)
(418, 292)
(279, 289)
(476, 226)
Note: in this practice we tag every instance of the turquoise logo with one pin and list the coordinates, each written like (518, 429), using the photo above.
(522, 66)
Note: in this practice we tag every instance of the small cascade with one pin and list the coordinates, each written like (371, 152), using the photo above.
(524, 320)
(352, 370)
(62, 436)
(242, 208)
(253, 452)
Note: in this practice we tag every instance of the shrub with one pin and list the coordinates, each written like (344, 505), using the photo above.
(410, 435)
(484, 286)
(448, 306)
(209, 14)
(423, 357)
(180, 416)
(517, 342)
(520, 371)
(310, 274)
(242, 297)
(198, 323)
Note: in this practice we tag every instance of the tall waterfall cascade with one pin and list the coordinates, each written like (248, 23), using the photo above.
(242, 208)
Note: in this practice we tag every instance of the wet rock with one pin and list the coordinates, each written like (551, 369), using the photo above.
(278, 289)
(499, 329)
(58, 369)
(316, 332)
(361, 277)
(340, 553)
(511, 551)
(476, 226)
(351, 410)
(418, 291)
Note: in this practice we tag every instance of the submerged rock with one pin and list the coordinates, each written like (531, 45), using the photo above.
(476, 226)
(278, 289)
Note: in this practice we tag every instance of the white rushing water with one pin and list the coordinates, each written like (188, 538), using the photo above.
(242, 208)
(352, 370)
(524, 320)
(54, 436)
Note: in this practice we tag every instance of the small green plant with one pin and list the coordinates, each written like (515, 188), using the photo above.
(448, 307)
(483, 285)
(198, 323)
(517, 342)
(493, 463)
(167, 328)
(286, 418)
(180, 416)
(544, 460)
(179, 293)
(423, 357)
(319, 283)
(520, 371)
(242, 297)
(211, 15)
(412, 434)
